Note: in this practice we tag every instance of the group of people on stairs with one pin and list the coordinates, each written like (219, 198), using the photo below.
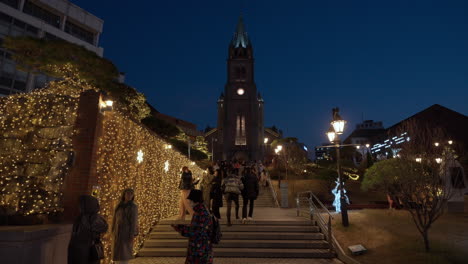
(226, 180)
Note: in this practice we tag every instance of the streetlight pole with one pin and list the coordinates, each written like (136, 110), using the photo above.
(336, 129)
(212, 148)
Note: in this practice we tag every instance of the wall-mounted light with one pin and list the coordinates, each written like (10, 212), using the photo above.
(106, 105)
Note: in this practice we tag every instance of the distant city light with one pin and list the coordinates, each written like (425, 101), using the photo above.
(418, 160)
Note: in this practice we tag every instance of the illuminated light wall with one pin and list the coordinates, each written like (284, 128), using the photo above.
(36, 151)
(131, 156)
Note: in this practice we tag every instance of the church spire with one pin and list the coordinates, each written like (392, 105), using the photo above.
(240, 38)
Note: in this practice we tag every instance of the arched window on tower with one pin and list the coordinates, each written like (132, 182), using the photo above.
(241, 139)
(243, 73)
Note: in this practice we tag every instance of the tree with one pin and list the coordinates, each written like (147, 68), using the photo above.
(292, 156)
(415, 178)
(76, 69)
(161, 127)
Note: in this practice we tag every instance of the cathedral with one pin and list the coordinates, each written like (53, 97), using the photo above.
(240, 132)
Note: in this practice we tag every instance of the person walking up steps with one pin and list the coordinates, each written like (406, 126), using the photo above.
(232, 187)
(249, 194)
(185, 185)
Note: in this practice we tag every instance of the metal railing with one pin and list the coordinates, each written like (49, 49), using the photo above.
(273, 191)
(309, 203)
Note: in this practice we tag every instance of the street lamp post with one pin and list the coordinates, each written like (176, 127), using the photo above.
(336, 129)
(212, 148)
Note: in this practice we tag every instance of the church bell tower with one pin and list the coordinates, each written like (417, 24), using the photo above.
(240, 107)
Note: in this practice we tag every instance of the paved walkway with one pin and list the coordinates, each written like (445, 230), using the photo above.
(260, 213)
(238, 261)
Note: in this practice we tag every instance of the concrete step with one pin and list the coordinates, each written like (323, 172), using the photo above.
(252, 228)
(248, 235)
(233, 243)
(242, 252)
(253, 222)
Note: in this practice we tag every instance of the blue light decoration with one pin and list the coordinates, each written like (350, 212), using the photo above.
(336, 193)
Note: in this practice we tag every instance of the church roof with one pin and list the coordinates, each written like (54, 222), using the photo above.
(240, 38)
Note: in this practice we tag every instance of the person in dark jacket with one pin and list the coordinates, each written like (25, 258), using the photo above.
(124, 228)
(185, 185)
(216, 194)
(249, 194)
(87, 228)
(200, 250)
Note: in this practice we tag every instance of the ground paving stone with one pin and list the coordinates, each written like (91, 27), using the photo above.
(166, 260)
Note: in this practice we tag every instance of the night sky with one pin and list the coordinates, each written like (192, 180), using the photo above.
(380, 60)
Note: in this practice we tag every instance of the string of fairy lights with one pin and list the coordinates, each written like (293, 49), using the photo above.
(131, 156)
(35, 150)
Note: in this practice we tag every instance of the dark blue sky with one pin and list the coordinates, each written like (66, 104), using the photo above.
(381, 60)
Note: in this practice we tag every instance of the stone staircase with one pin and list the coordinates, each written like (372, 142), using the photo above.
(264, 199)
(256, 239)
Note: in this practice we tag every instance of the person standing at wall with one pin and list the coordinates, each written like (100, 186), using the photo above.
(185, 185)
(249, 194)
(87, 230)
(124, 228)
(232, 187)
(200, 250)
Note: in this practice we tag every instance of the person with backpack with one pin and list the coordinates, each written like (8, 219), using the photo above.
(232, 187)
(249, 194)
(85, 246)
(199, 232)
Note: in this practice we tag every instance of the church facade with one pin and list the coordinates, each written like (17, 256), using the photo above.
(240, 132)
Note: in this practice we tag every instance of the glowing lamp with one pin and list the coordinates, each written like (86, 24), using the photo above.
(418, 160)
(331, 134)
(367, 145)
(107, 105)
(265, 140)
(436, 144)
(358, 147)
(279, 147)
(438, 160)
(450, 142)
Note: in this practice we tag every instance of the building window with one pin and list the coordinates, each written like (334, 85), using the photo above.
(79, 32)
(12, 3)
(241, 139)
(41, 13)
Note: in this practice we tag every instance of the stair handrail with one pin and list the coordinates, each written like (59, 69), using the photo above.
(326, 227)
(272, 189)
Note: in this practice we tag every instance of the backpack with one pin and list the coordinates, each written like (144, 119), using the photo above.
(216, 234)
